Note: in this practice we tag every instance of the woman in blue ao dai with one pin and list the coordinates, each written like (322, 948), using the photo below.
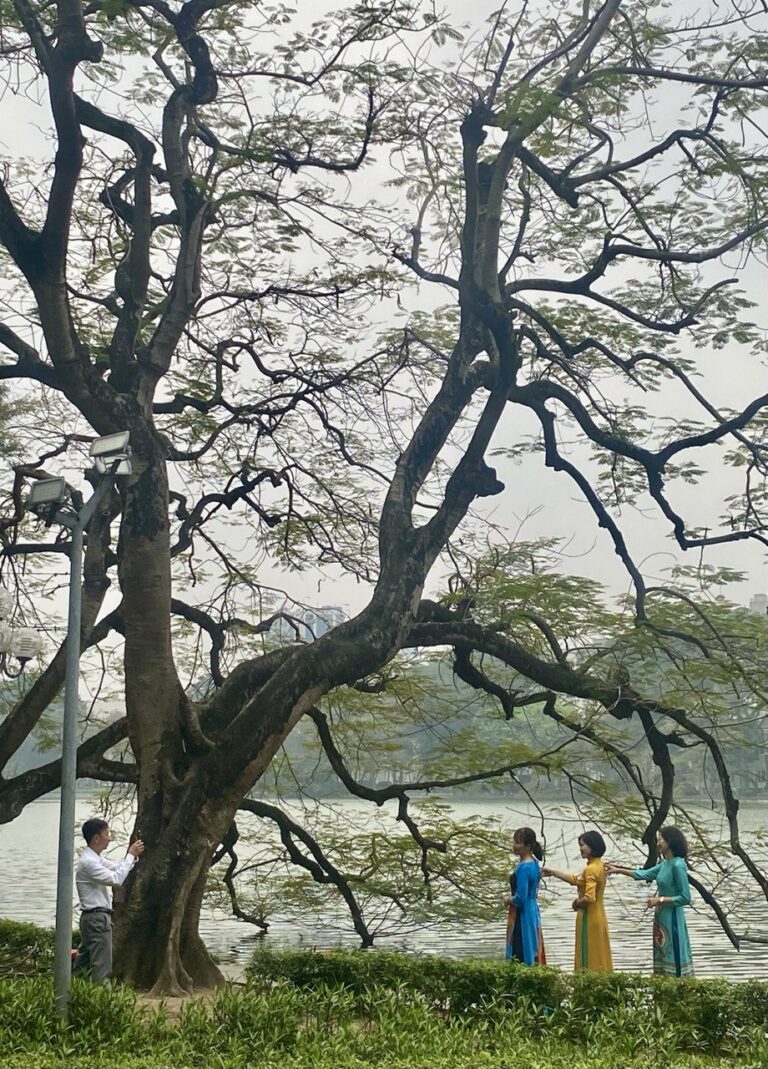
(525, 942)
(671, 945)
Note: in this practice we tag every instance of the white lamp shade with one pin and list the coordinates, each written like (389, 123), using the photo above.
(6, 638)
(25, 643)
(6, 603)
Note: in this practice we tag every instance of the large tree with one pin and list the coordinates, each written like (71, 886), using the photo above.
(198, 260)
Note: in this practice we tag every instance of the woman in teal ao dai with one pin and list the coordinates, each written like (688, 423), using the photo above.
(671, 946)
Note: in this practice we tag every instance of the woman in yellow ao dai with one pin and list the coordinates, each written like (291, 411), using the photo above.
(593, 945)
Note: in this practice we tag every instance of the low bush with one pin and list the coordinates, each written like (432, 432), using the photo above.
(26, 950)
(694, 1015)
(276, 1024)
(446, 983)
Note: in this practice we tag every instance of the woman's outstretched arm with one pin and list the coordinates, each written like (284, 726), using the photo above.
(566, 877)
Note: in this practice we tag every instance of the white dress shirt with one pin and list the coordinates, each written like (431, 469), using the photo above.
(96, 876)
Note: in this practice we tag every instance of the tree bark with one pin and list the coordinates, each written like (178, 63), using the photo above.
(156, 941)
(157, 944)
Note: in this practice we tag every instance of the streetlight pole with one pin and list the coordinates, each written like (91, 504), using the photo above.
(111, 458)
(62, 959)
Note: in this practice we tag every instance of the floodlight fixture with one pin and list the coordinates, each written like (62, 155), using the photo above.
(47, 492)
(111, 454)
(111, 445)
(112, 465)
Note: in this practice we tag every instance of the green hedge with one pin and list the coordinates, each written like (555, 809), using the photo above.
(26, 950)
(446, 983)
(705, 1015)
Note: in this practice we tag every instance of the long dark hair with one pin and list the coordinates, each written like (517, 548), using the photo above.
(595, 842)
(527, 836)
(675, 840)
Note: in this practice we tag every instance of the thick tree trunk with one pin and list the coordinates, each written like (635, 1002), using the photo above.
(156, 941)
(152, 690)
(157, 944)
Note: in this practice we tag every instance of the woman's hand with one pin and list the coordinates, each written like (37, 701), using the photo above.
(576, 905)
(617, 870)
(547, 872)
(506, 900)
(654, 901)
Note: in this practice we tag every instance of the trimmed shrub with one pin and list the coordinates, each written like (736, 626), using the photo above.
(17, 936)
(447, 984)
(705, 1015)
(26, 950)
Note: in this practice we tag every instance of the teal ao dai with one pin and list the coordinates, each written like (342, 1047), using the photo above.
(671, 946)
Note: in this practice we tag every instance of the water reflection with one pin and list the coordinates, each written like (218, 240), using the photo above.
(27, 893)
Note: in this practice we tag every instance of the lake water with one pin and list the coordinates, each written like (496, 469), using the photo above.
(28, 848)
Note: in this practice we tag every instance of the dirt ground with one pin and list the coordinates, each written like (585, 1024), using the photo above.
(234, 974)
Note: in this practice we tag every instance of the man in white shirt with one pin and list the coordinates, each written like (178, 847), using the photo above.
(95, 877)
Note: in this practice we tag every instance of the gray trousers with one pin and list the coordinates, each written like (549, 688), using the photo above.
(94, 955)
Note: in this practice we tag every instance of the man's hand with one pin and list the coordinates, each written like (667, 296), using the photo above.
(137, 848)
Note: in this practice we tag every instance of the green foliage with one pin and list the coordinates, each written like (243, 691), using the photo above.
(382, 865)
(100, 1017)
(371, 1009)
(26, 950)
(627, 1013)
(366, 1008)
(374, 1008)
(445, 983)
